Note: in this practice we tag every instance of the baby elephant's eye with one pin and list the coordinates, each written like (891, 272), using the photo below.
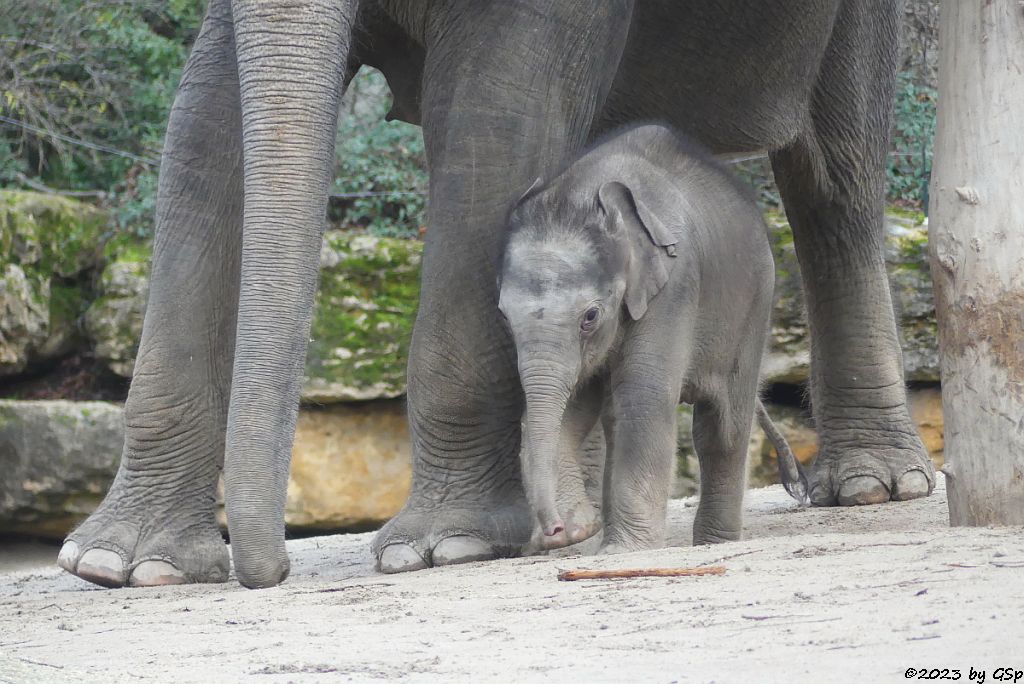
(590, 317)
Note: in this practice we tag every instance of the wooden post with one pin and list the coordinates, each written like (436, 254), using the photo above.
(977, 257)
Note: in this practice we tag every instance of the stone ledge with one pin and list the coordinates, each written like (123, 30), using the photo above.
(351, 466)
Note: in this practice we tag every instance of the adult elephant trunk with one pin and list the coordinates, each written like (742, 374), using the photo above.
(292, 56)
(547, 385)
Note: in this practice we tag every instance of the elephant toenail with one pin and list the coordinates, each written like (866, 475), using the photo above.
(911, 485)
(400, 558)
(863, 490)
(68, 556)
(822, 495)
(102, 567)
(155, 573)
(461, 548)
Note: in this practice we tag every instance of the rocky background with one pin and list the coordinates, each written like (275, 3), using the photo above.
(72, 299)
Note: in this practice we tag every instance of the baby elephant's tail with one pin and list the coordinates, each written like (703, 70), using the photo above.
(790, 472)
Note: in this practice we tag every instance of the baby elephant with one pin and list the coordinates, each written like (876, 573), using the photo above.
(639, 277)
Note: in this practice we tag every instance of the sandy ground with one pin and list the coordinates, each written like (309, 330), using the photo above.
(812, 595)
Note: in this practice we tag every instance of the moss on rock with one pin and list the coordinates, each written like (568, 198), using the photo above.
(55, 234)
(369, 289)
(911, 285)
(49, 245)
(114, 319)
(24, 323)
(788, 358)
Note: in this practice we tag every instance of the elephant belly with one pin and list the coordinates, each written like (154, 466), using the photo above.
(739, 76)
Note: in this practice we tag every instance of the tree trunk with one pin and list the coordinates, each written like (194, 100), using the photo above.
(977, 257)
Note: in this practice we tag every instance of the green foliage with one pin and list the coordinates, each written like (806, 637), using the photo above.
(381, 175)
(79, 78)
(76, 75)
(910, 162)
(11, 166)
(102, 72)
(136, 203)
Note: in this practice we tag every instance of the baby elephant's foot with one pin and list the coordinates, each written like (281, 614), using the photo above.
(126, 543)
(612, 548)
(617, 540)
(713, 525)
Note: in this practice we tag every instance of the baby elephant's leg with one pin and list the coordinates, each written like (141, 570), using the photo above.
(582, 463)
(721, 431)
(642, 451)
(594, 454)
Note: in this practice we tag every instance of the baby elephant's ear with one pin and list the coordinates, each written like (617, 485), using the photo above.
(651, 244)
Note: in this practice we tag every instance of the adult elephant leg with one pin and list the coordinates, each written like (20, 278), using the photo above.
(832, 183)
(156, 524)
(509, 91)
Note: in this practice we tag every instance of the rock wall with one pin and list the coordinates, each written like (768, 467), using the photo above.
(49, 247)
(359, 343)
(57, 459)
(350, 464)
(788, 357)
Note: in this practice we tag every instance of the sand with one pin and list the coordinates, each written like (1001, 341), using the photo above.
(820, 595)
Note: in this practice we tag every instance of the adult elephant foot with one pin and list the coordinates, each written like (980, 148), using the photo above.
(467, 502)
(156, 525)
(425, 534)
(871, 473)
(132, 540)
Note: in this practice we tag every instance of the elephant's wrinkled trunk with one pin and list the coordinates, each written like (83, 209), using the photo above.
(547, 387)
(292, 58)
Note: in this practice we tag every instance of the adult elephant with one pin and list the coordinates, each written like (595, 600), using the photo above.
(504, 92)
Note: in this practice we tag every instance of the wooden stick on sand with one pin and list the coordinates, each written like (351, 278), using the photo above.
(573, 575)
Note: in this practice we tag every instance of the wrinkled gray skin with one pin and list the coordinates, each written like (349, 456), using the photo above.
(638, 278)
(505, 92)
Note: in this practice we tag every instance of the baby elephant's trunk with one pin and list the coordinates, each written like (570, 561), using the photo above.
(540, 476)
(792, 475)
(540, 473)
(547, 394)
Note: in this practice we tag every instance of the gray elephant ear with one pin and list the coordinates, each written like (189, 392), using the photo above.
(650, 244)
